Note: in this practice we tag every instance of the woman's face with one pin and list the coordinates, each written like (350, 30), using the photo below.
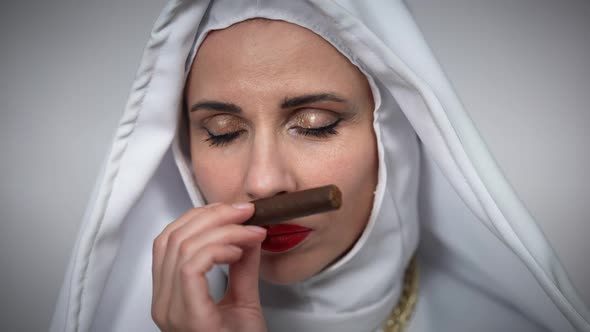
(274, 108)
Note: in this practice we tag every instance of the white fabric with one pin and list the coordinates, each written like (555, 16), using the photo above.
(485, 264)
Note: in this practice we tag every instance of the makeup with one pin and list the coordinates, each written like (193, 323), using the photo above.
(283, 237)
(274, 210)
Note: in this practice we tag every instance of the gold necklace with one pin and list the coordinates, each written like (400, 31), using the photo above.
(401, 314)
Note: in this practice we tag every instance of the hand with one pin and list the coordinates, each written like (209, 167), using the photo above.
(186, 250)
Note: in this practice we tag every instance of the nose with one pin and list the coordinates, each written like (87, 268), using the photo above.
(269, 172)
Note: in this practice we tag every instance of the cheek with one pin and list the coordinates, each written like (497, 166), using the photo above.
(217, 179)
(350, 163)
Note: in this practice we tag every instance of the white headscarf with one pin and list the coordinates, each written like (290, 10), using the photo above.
(485, 265)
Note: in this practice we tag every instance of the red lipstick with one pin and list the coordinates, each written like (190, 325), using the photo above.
(282, 237)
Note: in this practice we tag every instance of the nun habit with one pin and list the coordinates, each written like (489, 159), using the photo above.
(483, 263)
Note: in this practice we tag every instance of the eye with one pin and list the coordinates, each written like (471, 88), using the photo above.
(321, 132)
(315, 122)
(223, 129)
(221, 140)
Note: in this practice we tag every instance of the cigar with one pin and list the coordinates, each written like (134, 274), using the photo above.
(273, 210)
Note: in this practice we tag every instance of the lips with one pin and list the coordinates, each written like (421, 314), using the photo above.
(282, 237)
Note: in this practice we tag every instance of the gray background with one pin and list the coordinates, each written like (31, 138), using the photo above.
(521, 67)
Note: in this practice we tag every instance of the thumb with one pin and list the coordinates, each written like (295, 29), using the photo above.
(243, 279)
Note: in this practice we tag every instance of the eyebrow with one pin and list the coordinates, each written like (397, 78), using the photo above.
(309, 99)
(216, 106)
(292, 102)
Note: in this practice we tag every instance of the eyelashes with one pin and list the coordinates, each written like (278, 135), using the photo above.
(221, 140)
(321, 132)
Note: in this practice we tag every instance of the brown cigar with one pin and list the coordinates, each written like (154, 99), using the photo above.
(293, 205)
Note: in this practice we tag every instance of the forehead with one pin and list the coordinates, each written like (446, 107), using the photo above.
(261, 40)
(261, 51)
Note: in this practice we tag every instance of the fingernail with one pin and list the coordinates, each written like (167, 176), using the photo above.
(242, 206)
(256, 229)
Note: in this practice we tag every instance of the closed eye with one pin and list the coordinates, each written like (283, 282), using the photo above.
(221, 140)
(321, 132)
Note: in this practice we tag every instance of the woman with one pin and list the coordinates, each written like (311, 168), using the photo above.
(339, 94)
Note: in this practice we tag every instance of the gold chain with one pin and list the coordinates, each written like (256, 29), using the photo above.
(401, 314)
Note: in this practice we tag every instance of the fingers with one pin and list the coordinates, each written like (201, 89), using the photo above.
(227, 234)
(197, 255)
(192, 305)
(168, 242)
(189, 247)
(202, 221)
(243, 279)
(161, 243)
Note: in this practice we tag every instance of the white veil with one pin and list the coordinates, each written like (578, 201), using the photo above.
(485, 264)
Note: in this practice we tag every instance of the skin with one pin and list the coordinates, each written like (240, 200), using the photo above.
(272, 108)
